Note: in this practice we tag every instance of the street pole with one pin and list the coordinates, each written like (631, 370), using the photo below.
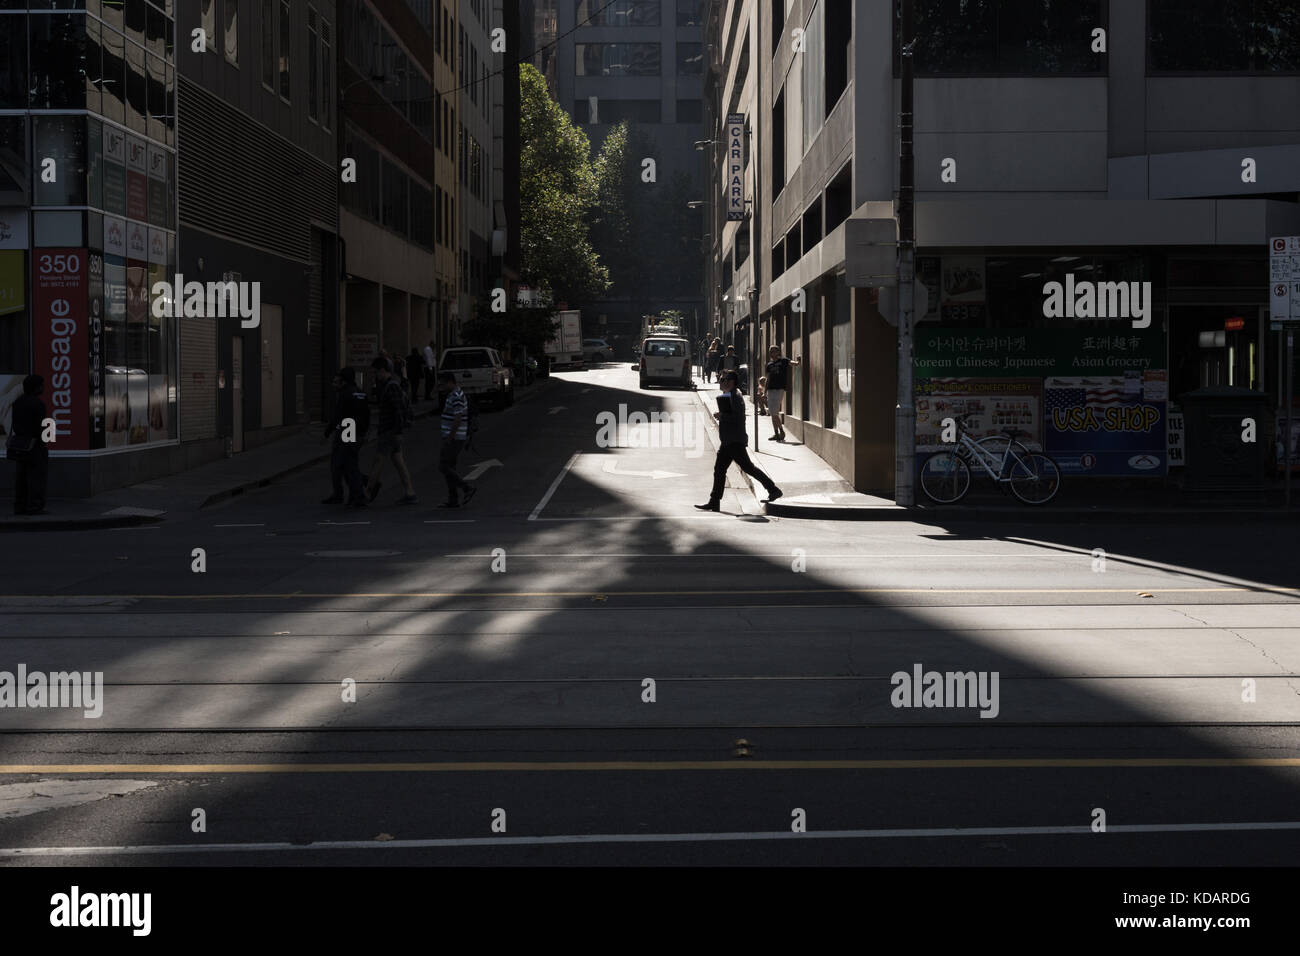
(905, 413)
(753, 344)
(1286, 434)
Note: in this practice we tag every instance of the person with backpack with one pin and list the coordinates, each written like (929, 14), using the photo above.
(731, 444)
(395, 416)
(455, 434)
(345, 455)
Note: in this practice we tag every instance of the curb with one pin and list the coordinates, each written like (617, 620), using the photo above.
(86, 523)
(1028, 514)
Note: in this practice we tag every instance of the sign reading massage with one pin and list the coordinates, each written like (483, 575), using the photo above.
(1105, 392)
(60, 342)
(735, 167)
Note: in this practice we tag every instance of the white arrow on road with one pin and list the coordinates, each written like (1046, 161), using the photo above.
(482, 466)
(556, 410)
(611, 468)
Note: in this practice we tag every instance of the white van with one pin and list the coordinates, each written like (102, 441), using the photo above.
(666, 360)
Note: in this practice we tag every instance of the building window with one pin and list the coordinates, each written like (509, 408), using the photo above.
(285, 88)
(313, 87)
(208, 22)
(619, 13)
(690, 13)
(1210, 36)
(231, 41)
(617, 59)
(395, 198)
(327, 79)
(617, 111)
(813, 65)
(1005, 37)
(690, 59)
(690, 111)
(268, 44)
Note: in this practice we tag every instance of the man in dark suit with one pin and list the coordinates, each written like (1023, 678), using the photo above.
(732, 437)
(28, 415)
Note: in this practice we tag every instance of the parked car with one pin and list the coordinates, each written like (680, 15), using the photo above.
(481, 374)
(597, 350)
(665, 361)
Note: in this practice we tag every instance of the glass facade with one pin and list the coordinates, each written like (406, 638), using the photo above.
(92, 92)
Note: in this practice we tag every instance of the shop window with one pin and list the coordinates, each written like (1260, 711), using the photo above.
(1211, 36)
(63, 139)
(839, 313)
(1005, 37)
(812, 224)
(813, 65)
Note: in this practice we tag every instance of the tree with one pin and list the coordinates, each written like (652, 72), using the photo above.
(644, 232)
(518, 325)
(556, 191)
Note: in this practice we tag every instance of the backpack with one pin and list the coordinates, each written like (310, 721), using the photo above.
(406, 415)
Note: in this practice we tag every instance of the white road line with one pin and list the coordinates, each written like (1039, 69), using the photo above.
(554, 485)
(339, 524)
(450, 521)
(259, 524)
(580, 838)
(782, 554)
(712, 517)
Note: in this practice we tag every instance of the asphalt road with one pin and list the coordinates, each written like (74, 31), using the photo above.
(582, 650)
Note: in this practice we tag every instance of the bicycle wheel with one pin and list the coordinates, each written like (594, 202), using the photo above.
(1034, 479)
(945, 477)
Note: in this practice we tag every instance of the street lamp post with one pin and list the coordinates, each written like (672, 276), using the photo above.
(905, 413)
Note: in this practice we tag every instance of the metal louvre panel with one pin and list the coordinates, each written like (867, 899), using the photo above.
(238, 179)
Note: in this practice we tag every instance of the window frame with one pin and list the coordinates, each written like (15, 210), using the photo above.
(1151, 70)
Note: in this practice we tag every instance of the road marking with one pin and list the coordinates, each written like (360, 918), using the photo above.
(259, 524)
(729, 592)
(556, 410)
(786, 554)
(449, 521)
(477, 471)
(611, 468)
(351, 554)
(554, 485)
(594, 838)
(341, 524)
(625, 766)
(709, 517)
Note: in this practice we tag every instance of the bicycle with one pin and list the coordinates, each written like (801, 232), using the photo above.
(1032, 476)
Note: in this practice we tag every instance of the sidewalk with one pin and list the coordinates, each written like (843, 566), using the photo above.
(814, 490)
(185, 493)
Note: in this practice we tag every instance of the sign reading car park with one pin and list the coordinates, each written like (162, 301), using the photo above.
(1284, 280)
(735, 170)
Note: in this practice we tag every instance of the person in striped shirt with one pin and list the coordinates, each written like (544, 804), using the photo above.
(455, 432)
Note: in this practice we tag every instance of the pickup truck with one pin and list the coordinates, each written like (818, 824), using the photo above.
(480, 373)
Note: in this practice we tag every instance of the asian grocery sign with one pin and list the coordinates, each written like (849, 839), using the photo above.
(1095, 401)
(60, 341)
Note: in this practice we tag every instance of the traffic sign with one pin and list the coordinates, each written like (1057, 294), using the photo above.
(1284, 281)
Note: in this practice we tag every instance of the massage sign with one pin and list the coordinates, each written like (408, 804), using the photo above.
(60, 342)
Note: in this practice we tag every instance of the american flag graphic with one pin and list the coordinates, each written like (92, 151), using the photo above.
(1095, 393)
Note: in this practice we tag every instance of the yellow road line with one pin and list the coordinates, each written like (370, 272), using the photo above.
(1027, 763)
(607, 594)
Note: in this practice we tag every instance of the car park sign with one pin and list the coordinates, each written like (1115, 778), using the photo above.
(735, 167)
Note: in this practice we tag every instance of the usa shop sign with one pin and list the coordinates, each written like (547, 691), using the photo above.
(735, 177)
(60, 342)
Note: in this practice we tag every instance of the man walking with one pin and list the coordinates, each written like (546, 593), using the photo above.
(392, 421)
(778, 382)
(28, 449)
(430, 371)
(345, 453)
(455, 432)
(732, 438)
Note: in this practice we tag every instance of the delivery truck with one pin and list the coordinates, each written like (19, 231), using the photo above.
(565, 349)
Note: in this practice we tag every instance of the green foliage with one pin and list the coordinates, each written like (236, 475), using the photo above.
(518, 325)
(644, 232)
(557, 190)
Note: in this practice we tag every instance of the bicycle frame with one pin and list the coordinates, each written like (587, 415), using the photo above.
(987, 459)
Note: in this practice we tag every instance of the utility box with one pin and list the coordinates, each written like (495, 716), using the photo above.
(1220, 456)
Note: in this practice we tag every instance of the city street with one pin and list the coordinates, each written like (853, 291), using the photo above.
(580, 667)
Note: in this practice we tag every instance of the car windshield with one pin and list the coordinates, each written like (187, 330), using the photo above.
(470, 358)
(665, 349)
